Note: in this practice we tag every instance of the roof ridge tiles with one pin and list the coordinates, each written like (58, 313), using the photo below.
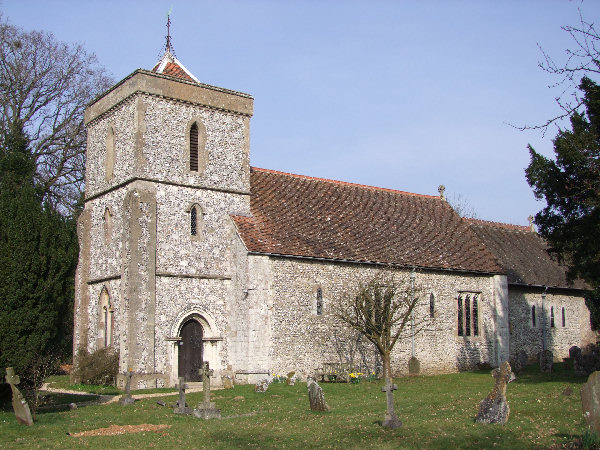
(344, 183)
(498, 224)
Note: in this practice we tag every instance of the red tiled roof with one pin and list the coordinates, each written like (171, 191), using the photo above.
(522, 253)
(302, 216)
(174, 70)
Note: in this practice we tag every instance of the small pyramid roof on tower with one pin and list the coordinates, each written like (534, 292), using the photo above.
(171, 66)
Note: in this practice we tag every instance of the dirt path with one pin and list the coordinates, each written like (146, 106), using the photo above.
(106, 399)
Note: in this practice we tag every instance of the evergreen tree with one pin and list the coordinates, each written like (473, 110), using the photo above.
(570, 184)
(38, 251)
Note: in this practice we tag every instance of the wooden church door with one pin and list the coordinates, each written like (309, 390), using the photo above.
(190, 351)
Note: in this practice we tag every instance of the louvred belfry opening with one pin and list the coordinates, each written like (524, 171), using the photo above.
(194, 147)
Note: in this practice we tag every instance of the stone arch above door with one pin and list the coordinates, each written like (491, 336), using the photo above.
(210, 347)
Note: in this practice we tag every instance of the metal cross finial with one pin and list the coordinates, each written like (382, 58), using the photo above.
(169, 46)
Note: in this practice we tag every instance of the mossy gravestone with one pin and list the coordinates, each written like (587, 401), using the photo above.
(316, 397)
(494, 408)
(590, 401)
(414, 366)
(19, 404)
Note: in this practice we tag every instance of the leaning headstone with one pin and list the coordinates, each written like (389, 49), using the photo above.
(546, 361)
(414, 366)
(590, 401)
(316, 396)
(126, 398)
(494, 408)
(262, 386)
(206, 409)
(521, 360)
(181, 406)
(20, 406)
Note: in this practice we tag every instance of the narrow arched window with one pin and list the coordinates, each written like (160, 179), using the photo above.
(475, 316)
(319, 301)
(460, 316)
(105, 322)
(467, 316)
(194, 147)
(109, 161)
(431, 305)
(194, 221)
(533, 316)
(552, 317)
(108, 228)
(564, 319)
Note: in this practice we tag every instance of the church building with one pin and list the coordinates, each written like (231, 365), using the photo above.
(190, 254)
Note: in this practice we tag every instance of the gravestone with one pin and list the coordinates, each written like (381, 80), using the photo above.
(590, 401)
(521, 360)
(494, 408)
(290, 380)
(181, 406)
(262, 386)
(574, 352)
(227, 378)
(316, 397)
(390, 420)
(206, 409)
(546, 361)
(20, 406)
(126, 398)
(414, 366)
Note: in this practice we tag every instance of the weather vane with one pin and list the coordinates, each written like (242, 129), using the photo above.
(169, 47)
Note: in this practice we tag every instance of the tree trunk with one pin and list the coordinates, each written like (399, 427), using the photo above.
(391, 420)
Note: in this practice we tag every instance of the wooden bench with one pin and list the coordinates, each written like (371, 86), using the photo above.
(335, 372)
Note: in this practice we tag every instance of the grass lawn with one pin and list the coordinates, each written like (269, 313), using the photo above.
(437, 412)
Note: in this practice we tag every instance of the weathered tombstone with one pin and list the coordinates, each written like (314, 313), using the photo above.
(227, 378)
(262, 386)
(316, 397)
(574, 352)
(290, 380)
(126, 398)
(206, 409)
(414, 366)
(181, 406)
(546, 361)
(20, 406)
(521, 360)
(391, 420)
(494, 408)
(576, 357)
(590, 401)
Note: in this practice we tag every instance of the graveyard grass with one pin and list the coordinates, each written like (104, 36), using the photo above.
(436, 411)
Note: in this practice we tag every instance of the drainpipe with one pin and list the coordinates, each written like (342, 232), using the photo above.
(412, 313)
(544, 318)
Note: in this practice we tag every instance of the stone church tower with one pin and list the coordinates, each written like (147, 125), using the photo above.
(167, 165)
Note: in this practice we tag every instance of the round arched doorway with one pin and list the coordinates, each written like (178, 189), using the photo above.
(190, 350)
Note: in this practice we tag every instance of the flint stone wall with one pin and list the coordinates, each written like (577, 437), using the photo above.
(524, 336)
(302, 341)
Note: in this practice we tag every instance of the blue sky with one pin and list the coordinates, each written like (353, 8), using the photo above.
(400, 94)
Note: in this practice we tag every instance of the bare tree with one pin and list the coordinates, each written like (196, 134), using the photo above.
(462, 207)
(381, 309)
(47, 84)
(582, 60)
